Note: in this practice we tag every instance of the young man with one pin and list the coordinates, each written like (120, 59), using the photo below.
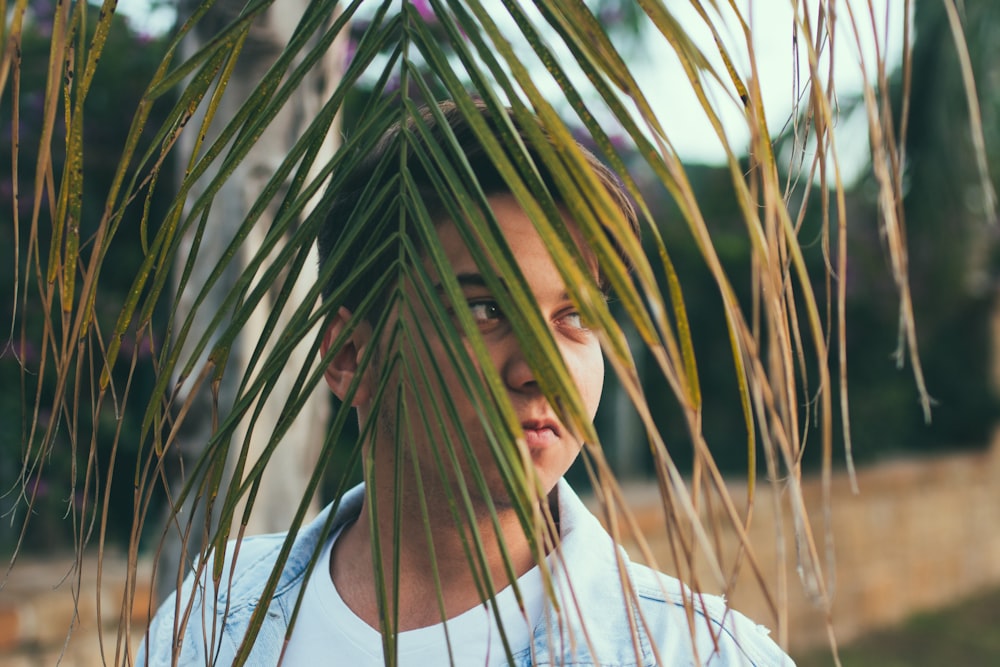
(435, 532)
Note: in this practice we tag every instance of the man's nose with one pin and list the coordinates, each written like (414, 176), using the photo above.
(517, 373)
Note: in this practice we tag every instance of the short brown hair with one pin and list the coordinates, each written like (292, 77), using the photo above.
(365, 193)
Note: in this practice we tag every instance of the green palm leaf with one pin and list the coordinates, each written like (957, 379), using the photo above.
(235, 296)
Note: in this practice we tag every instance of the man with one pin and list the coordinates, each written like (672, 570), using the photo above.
(430, 562)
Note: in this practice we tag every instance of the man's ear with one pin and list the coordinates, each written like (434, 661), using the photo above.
(344, 365)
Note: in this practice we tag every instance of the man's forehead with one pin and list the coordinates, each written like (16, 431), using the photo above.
(506, 209)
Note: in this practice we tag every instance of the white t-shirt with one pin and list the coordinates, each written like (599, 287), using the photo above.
(327, 632)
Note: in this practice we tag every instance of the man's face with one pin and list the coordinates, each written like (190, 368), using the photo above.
(424, 394)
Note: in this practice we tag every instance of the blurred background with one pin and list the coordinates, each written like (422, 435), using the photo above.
(917, 551)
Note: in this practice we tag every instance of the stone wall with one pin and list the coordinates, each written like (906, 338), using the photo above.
(921, 534)
(38, 607)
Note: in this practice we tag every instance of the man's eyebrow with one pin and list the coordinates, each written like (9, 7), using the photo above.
(477, 280)
(472, 280)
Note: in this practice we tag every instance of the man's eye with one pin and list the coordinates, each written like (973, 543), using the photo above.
(485, 312)
(574, 321)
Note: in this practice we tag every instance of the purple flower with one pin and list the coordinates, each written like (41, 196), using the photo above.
(425, 10)
(43, 14)
(145, 347)
(36, 487)
(24, 351)
(610, 14)
(582, 136)
(619, 141)
(352, 50)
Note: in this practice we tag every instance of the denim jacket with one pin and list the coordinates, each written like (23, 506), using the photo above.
(596, 624)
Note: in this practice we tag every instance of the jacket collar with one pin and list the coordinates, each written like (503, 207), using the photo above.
(589, 620)
(588, 570)
(593, 618)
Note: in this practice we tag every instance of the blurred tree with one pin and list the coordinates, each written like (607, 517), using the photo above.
(131, 59)
(953, 262)
(281, 487)
(953, 259)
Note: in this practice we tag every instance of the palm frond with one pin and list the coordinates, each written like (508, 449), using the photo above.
(229, 282)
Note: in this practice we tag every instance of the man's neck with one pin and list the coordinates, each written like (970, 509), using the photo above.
(455, 567)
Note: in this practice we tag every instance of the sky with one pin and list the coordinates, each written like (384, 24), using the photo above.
(662, 78)
(770, 23)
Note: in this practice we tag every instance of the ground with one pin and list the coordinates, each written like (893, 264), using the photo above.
(965, 634)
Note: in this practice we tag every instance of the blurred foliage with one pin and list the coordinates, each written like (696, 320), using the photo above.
(954, 267)
(952, 245)
(129, 61)
(886, 420)
(953, 294)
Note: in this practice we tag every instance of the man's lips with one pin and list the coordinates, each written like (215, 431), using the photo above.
(540, 434)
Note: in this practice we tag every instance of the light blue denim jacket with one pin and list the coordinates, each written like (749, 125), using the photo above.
(597, 625)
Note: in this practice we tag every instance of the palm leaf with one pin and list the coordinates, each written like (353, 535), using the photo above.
(245, 318)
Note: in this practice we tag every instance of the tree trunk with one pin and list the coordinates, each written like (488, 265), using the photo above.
(283, 482)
